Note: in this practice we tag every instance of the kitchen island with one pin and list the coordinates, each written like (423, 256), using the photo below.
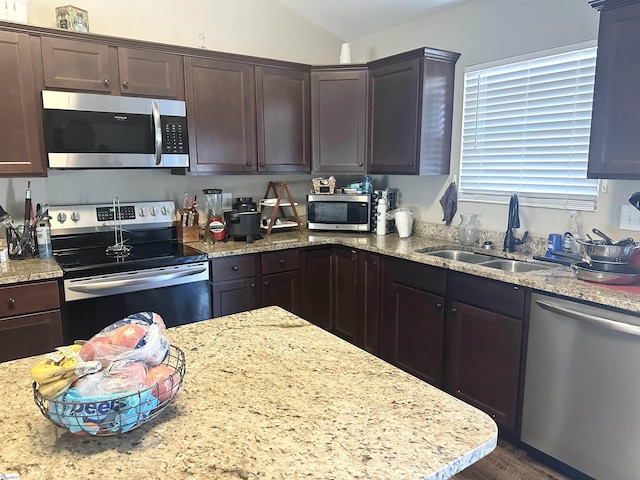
(266, 395)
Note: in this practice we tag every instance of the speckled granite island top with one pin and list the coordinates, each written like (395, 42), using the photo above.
(266, 395)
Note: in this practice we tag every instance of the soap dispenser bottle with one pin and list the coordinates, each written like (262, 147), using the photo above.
(572, 233)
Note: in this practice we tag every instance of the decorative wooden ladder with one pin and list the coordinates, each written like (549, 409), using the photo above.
(279, 190)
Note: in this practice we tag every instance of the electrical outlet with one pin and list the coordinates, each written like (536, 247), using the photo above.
(629, 218)
(227, 199)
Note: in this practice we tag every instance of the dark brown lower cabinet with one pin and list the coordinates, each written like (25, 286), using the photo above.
(368, 295)
(316, 296)
(412, 318)
(281, 279)
(233, 296)
(235, 284)
(484, 330)
(281, 289)
(483, 360)
(340, 293)
(345, 321)
(30, 320)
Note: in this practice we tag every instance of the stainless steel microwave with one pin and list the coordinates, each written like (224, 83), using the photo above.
(339, 212)
(83, 130)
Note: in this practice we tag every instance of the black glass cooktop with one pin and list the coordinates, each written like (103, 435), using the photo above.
(96, 261)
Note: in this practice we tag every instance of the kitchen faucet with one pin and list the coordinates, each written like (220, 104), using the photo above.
(513, 221)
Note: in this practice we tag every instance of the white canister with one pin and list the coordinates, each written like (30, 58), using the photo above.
(404, 222)
(345, 53)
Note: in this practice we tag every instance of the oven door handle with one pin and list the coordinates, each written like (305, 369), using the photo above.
(94, 286)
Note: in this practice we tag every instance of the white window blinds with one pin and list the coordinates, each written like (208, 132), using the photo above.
(526, 129)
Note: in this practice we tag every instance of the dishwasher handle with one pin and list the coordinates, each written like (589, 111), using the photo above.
(591, 319)
(96, 287)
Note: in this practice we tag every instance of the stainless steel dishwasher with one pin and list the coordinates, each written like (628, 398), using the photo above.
(582, 387)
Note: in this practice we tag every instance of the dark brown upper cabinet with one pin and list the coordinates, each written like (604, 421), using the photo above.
(411, 108)
(614, 149)
(222, 116)
(339, 118)
(97, 67)
(283, 119)
(21, 133)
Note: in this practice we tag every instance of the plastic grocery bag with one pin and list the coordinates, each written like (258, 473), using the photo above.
(138, 337)
(119, 377)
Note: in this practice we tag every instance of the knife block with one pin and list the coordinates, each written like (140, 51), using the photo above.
(187, 230)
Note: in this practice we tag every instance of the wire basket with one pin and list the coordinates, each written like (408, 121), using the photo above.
(113, 414)
(324, 185)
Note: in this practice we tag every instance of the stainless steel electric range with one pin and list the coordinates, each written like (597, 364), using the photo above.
(123, 258)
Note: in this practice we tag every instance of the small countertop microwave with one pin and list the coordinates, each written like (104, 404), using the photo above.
(83, 130)
(339, 212)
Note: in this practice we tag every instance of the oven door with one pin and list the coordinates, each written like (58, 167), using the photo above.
(180, 294)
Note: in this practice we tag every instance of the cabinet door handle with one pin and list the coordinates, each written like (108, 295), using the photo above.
(454, 310)
(248, 164)
(252, 285)
(361, 164)
(234, 268)
(438, 306)
(11, 302)
(262, 165)
(125, 84)
(106, 82)
(281, 261)
(266, 282)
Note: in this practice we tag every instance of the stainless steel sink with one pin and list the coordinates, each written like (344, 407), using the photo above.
(504, 264)
(514, 266)
(458, 255)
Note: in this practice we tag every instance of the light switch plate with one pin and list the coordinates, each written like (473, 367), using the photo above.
(629, 218)
(227, 199)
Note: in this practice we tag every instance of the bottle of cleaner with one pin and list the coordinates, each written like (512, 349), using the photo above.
(43, 234)
(572, 232)
(381, 223)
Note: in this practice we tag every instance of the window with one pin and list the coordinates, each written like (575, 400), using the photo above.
(526, 127)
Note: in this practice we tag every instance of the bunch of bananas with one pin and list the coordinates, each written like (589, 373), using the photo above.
(56, 371)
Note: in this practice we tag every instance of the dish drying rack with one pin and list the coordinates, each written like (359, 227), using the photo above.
(278, 203)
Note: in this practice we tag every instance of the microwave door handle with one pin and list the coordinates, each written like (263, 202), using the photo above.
(157, 128)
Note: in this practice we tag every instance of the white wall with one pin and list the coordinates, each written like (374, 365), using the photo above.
(483, 31)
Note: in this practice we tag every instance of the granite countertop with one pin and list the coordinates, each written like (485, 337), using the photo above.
(557, 280)
(266, 395)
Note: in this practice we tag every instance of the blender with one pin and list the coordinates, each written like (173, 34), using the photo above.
(215, 228)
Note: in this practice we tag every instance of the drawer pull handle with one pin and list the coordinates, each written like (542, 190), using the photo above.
(125, 84)
(12, 302)
(266, 283)
(234, 268)
(106, 82)
(252, 285)
(281, 261)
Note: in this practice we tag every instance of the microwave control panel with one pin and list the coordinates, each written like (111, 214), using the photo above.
(174, 138)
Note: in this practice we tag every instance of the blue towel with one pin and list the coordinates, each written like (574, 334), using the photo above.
(449, 202)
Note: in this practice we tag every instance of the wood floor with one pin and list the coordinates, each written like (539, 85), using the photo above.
(507, 462)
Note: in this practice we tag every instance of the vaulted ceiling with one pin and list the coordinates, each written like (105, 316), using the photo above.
(354, 19)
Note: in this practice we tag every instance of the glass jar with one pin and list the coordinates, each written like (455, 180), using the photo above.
(469, 229)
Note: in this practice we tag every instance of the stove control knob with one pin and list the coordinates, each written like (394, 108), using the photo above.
(75, 216)
(153, 211)
(142, 212)
(62, 217)
(164, 211)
